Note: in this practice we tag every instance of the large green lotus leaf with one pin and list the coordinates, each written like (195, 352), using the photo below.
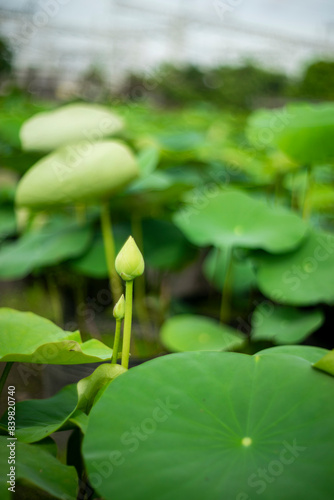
(35, 467)
(71, 123)
(283, 324)
(214, 425)
(304, 131)
(309, 353)
(187, 332)
(28, 338)
(215, 266)
(7, 222)
(47, 246)
(302, 277)
(88, 387)
(79, 173)
(38, 418)
(232, 218)
(326, 364)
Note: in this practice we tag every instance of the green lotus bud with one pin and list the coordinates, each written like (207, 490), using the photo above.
(119, 309)
(129, 262)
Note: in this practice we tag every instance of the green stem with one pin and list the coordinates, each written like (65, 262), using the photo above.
(109, 247)
(127, 324)
(116, 341)
(80, 212)
(55, 300)
(307, 204)
(4, 374)
(225, 308)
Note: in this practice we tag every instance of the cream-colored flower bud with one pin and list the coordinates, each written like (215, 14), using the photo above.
(119, 309)
(129, 262)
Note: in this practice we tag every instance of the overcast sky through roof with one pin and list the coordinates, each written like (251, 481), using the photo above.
(133, 34)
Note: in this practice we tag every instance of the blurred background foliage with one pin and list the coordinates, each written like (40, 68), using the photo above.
(188, 127)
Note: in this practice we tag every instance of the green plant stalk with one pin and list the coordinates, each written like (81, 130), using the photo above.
(225, 308)
(109, 247)
(80, 212)
(116, 341)
(127, 324)
(307, 196)
(5, 374)
(55, 300)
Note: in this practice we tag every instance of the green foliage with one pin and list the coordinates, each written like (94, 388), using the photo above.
(317, 81)
(215, 269)
(32, 339)
(58, 240)
(215, 419)
(284, 325)
(198, 333)
(6, 57)
(36, 467)
(233, 87)
(302, 277)
(304, 132)
(232, 218)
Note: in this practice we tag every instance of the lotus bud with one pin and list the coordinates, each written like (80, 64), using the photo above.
(129, 262)
(119, 309)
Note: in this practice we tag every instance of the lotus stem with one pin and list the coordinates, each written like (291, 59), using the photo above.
(55, 300)
(307, 204)
(5, 374)
(116, 341)
(127, 324)
(109, 247)
(225, 308)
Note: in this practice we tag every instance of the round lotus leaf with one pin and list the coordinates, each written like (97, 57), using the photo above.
(303, 131)
(215, 267)
(284, 325)
(187, 332)
(71, 123)
(79, 173)
(310, 353)
(232, 218)
(302, 277)
(214, 425)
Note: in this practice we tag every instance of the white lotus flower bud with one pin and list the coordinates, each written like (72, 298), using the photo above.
(119, 309)
(129, 262)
